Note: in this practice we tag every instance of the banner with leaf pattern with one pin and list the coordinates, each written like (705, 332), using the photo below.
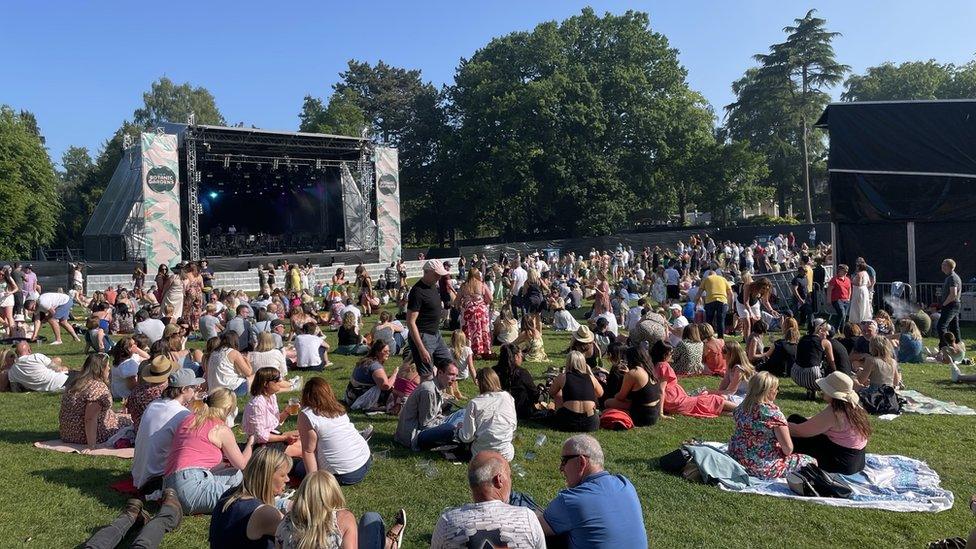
(388, 203)
(161, 195)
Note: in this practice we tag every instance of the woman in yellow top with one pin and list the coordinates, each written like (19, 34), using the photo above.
(717, 294)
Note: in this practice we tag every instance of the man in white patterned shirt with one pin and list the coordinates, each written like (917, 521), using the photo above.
(490, 521)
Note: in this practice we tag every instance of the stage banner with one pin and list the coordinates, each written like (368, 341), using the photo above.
(161, 200)
(354, 220)
(388, 203)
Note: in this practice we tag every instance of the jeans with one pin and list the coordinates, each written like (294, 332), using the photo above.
(354, 477)
(372, 531)
(440, 354)
(949, 320)
(241, 389)
(442, 434)
(151, 535)
(841, 308)
(199, 489)
(804, 313)
(715, 315)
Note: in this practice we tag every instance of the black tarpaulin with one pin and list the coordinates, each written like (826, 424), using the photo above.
(864, 198)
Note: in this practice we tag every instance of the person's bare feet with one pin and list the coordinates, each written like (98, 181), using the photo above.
(394, 536)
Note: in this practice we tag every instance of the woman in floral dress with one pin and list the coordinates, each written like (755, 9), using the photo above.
(761, 441)
(78, 423)
(475, 301)
(192, 295)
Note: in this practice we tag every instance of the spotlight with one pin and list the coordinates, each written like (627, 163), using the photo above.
(274, 165)
(213, 194)
(226, 161)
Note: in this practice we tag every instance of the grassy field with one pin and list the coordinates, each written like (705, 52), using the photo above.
(49, 499)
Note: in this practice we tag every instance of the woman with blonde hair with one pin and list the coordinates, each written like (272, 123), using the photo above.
(200, 445)
(761, 441)
(779, 358)
(713, 355)
(735, 382)
(837, 436)
(86, 415)
(576, 391)
(246, 516)
(350, 342)
(880, 368)
(530, 340)
(474, 299)
(752, 298)
(506, 328)
(265, 355)
(910, 348)
(489, 419)
(318, 519)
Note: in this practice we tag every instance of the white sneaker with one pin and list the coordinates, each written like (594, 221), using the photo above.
(56, 343)
(954, 373)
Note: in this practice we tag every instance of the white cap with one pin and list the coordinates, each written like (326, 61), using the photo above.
(435, 266)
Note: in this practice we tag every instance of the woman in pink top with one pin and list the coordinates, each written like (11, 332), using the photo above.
(836, 436)
(200, 445)
(261, 415)
(676, 400)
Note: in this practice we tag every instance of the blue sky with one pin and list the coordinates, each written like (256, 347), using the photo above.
(82, 67)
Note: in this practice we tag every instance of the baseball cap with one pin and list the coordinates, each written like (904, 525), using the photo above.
(185, 377)
(435, 266)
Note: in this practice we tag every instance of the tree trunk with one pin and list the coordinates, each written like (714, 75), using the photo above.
(683, 208)
(806, 175)
(781, 200)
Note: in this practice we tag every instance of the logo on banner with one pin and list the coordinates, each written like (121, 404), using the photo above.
(161, 179)
(387, 183)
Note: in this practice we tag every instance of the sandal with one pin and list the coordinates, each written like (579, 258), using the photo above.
(394, 536)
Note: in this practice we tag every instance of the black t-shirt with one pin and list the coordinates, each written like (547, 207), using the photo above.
(348, 337)
(800, 283)
(425, 299)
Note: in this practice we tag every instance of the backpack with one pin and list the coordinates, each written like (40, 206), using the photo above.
(881, 400)
(616, 420)
(812, 481)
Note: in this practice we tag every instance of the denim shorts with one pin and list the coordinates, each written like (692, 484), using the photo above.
(62, 312)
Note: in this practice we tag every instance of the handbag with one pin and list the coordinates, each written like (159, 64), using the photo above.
(881, 400)
(812, 481)
(675, 462)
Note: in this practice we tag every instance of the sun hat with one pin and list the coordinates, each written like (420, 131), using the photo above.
(185, 377)
(435, 266)
(158, 369)
(840, 386)
(583, 335)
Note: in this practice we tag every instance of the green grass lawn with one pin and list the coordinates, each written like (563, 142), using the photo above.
(49, 499)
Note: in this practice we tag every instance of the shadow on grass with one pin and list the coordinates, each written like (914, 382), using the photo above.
(26, 437)
(93, 482)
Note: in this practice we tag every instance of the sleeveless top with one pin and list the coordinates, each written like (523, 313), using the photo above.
(883, 372)
(221, 372)
(287, 536)
(228, 528)
(650, 392)
(809, 352)
(340, 448)
(578, 387)
(191, 448)
(847, 437)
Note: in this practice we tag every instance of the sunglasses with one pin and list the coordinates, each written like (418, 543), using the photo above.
(563, 460)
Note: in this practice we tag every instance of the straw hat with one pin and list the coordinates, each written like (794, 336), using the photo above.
(583, 335)
(158, 369)
(840, 386)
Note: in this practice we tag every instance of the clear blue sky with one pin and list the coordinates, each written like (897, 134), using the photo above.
(82, 67)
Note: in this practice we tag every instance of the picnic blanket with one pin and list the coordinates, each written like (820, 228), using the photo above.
(921, 404)
(59, 445)
(892, 483)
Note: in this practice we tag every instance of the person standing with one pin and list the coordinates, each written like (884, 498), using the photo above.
(717, 293)
(951, 290)
(861, 308)
(424, 311)
(839, 295)
(800, 286)
(17, 275)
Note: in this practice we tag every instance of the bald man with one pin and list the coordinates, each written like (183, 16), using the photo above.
(37, 372)
(490, 521)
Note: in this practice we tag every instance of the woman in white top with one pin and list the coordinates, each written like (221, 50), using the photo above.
(329, 440)
(489, 419)
(227, 367)
(265, 355)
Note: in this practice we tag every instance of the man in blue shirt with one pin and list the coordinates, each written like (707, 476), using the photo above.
(598, 509)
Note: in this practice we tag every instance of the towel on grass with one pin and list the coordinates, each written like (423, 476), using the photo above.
(59, 445)
(921, 404)
(892, 483)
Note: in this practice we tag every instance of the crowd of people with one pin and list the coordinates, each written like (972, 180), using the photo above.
(642, 321)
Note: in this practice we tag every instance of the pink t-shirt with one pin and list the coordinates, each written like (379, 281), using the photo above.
(192, 449)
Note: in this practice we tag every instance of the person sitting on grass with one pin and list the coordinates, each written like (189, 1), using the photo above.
(350, 342)
(755, 343)
(246, 515)
(837, 436)
(330, 442)
(227, 367)
(463, 358)
(261, 415)
(735, 383)
(779, 358)
(713, 356)
(676, 400)
(127, 355)
(201, 444)
(576, 392)
(761, 441)
(35, 371)
(150, 529)
(950, 351)
(311, 350)
(319, 519)
(910, 348)
(530, 339)
(405, 382)
(517, 380)
(489, 420)
(640, 392)
(369, 372)
(597, 510)
(422, 424)
(266, 355)
(490, 521)
(86, 415)
(880, 367)
(687, 357)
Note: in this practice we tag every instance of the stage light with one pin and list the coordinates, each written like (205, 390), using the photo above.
(226, 161)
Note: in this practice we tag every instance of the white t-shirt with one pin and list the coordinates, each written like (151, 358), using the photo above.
(340, 448)
(519, 276)
(517, 527)
(151, 328)
(489, 423)
(221, 371)
(127, 369)
(355, 311)
(462, 362)
(33, 372)
(268, 359)
(307, 350)
(671, 276)
(154, 437)
(611, 321)
(52, 300)
(679, 322)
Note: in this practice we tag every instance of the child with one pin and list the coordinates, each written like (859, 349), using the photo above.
(404, 384)
(463, 359)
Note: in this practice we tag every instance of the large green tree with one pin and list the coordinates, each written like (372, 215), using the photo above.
(912, 80)
(778, 101)
(76, 172)
(28, 187)
(342, 116)
(386, 95)
(167, 101)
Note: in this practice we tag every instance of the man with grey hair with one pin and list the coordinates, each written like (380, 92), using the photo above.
(598, 509)
(490, 521)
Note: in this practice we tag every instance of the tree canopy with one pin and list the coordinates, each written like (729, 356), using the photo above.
(169, 102)
(912, 80)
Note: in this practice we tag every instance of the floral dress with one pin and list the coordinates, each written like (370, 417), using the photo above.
(477, 323)
(72, 415)
(193, 300)
(754, 443)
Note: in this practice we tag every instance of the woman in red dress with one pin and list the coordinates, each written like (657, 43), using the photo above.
(676, 400)
(475, 302)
